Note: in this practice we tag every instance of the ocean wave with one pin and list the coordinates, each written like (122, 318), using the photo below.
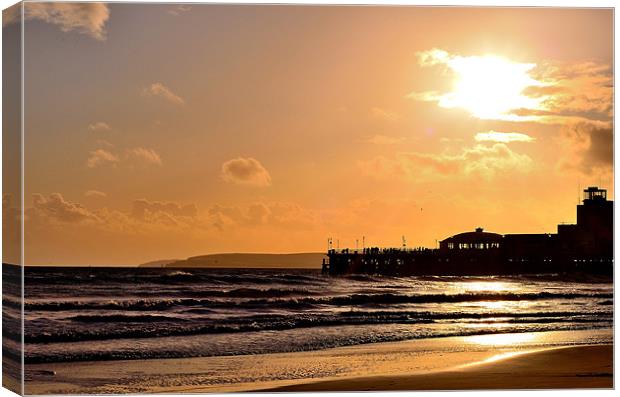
(116, 326)
(301, 302)
(213, 277)
(130, 305)
(388, 298)
(123, 318)
(256, 344)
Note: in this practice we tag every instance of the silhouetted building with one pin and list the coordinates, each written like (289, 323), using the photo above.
(478, 239)
(586, 246)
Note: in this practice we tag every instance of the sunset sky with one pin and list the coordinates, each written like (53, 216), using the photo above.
(166, 131)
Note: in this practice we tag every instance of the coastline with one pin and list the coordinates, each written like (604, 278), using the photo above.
(574, 367)
(497, 361)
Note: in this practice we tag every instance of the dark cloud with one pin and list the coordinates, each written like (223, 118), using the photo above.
(589, 148)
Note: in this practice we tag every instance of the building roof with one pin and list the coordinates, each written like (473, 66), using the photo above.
(478, 236)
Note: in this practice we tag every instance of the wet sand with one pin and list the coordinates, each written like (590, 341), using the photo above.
(514, 361)
(569, 367)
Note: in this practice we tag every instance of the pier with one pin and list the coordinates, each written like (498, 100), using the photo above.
(586, 246)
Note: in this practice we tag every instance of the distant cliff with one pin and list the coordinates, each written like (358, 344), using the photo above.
(308, 260)
(158, 263)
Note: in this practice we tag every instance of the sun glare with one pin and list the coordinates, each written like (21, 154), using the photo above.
(502, 339)
(486, 286)
(488, 87)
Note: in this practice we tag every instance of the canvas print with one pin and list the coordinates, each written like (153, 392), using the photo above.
(206, 198)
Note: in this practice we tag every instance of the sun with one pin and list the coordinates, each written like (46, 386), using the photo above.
(490, 87)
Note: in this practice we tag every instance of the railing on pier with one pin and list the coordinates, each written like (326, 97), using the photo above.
(376, 250)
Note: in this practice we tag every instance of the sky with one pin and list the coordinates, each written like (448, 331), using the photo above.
(157, 131)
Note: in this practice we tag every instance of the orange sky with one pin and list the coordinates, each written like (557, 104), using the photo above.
(166, 131)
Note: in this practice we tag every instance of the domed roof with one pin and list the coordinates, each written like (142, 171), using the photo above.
(477, 236)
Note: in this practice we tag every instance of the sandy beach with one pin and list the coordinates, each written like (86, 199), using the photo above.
(556, 368)
(515, 361)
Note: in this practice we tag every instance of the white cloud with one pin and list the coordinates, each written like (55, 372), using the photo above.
(99, 126)
(178, 10)
(57, 208)
(85, 18)
(95, 194)
(167, 213)
(148, 156)
(282, 214)
(101, 157)
(160, 90)
(129, 157)
(480, 160)
(103, 142)
(245, 171)
(502, 137)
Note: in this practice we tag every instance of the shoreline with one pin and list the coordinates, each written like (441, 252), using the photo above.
(422, 364)
(581, 367)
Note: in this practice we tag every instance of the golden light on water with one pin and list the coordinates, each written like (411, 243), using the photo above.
(502, 339)
(494, 304)
(487, 286)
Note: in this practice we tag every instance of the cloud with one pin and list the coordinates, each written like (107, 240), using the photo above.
(95, 194)
(145, 216)
(580, 90)
(281, 214)
(56, 208)
(103, 142)
(160, 90)
(588, 149)
(245, 171)
(502, 137)
(130, 157)
(167, 213)
(481, 160)
(147, 156)
(178, 10)
(99, 126)
(384, 114)
(11, 14)
(11, 230)
(433, 57)
(385, 140)
(84, 18)
(101, 157)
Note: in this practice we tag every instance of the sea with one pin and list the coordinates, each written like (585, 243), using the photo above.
(86, 314)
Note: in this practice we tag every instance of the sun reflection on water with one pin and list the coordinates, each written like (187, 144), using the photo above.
(502, 339)
(487, 286)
